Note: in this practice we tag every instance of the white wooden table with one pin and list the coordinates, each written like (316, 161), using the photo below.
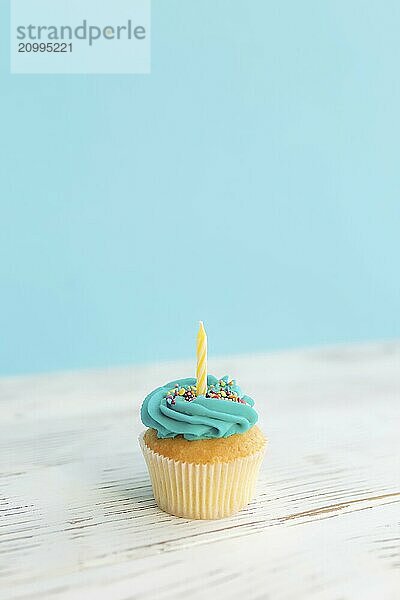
(78, 520)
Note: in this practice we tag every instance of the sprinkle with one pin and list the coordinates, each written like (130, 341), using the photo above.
(221, 390)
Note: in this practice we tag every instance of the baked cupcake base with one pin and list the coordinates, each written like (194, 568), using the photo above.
(201, 484)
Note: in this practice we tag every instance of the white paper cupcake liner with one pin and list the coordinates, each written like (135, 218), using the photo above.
(204, 491)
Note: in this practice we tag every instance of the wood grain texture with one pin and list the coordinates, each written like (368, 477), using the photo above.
(77, 516)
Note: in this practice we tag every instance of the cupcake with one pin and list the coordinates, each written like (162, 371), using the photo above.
(203, 450)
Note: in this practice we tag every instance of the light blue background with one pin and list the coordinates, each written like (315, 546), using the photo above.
(252, 181)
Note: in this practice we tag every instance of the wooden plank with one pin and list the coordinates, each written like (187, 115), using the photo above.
(77, 517)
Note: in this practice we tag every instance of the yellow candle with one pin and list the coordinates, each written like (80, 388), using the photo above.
(201, 361)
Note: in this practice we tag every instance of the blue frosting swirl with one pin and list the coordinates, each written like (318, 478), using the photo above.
(200, 419)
